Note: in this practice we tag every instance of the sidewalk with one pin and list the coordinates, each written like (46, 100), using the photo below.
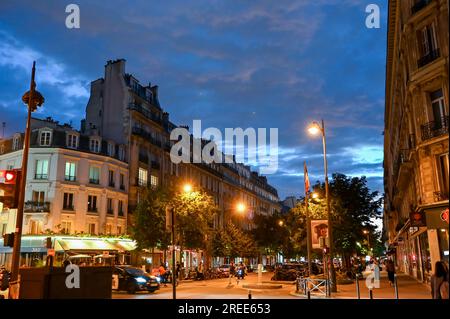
(408, 288)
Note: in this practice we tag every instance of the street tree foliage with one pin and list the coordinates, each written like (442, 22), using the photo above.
(194, 213)
(270, 233)
(353, 209)
(231, 241)
(149, 225)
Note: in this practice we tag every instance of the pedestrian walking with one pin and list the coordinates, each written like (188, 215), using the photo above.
(162, 274)
(390, 268)
(439, 281)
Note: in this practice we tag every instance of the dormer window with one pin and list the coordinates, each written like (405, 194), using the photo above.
(16, 142)
(122, 152)
(94, 145)
(45, 138)
(72, 140)
(111, 149)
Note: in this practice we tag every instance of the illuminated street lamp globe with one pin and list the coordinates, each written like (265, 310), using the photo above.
(187, 188)
(314, 128)
(240, 208)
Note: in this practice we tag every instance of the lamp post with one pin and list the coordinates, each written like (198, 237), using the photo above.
(314, 129)
(170, 213)
(367, 233)
(33, 99)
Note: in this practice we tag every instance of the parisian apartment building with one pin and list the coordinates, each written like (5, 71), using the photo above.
(122, 109)
(416, 164)
(76, 184)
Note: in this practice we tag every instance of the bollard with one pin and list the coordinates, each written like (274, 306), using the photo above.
(249, 294)
(358, 293)
(370, 293)
(309, 294)
(395, 286)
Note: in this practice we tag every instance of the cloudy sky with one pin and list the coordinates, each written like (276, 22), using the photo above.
(261, 64)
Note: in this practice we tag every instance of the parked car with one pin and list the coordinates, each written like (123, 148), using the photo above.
(225, 269)
(132, 279)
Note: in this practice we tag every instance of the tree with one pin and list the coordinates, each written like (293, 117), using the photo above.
(149, 227)
(270, 232)
(231, 241)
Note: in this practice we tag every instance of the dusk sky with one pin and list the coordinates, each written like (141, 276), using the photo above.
(261, 64)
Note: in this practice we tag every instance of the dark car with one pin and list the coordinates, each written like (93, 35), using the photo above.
(132, 279)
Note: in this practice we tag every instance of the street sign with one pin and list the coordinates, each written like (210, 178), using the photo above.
(50, 252)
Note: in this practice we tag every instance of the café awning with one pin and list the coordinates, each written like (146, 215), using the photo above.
(93, 244)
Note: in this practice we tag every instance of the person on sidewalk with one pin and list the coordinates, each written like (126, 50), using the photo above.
(439, 281)
(390, 268)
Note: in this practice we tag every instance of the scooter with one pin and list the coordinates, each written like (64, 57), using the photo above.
(240, 274)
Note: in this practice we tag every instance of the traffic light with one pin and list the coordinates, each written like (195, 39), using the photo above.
(10, 185)
(8, 240)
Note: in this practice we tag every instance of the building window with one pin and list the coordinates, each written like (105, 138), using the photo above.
(122, 181)
(91, 228)
(111, 178)
(443, 176)
(438, 106)
(94, 145)
(154, 181)
(119, 230)
(120, 204)
(10, 165)
(16, 143)
(70, 173)
(35, 227)
(41, 169)
(66, 227)
(108, 229)
(68, 201)
(111, 149)
(38, 197)
(143, 177)
(121, 152)
(94, 175)
(72, 141)
(45, 138)
(92, 204)
(110, 206)
(427, 45)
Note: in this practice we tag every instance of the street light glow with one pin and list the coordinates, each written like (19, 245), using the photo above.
(187, 188)
(280, 223)
(314, 128)
(315, 195)
(240, 208)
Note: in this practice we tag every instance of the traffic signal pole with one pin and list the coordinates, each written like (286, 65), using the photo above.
(33, 100)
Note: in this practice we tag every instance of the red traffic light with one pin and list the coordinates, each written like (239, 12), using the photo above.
(8, 176)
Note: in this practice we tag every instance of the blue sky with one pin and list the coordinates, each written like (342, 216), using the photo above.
(258, 64)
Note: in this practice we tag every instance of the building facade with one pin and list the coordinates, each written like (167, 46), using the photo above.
(122, 109)
(76, 184)
(416, 165)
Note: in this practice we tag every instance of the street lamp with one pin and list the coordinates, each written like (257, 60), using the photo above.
(241, 208)
(367, 233)
(187, 189)
(314, 129)
(33, 99)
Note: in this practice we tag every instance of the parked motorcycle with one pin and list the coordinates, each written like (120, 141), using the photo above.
(240, 274)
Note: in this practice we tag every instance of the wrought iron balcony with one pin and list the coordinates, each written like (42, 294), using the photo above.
(94, 181)
(435, 128)
(144, 112)
(41, 176)
(419, 5)
(146, 135)
(37, 207)
(430, 57)
(92, 209)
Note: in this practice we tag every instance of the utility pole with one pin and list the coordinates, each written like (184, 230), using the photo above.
(33, 99)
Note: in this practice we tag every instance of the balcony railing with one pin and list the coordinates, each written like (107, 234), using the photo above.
(430, 57)
(110, 211)
(68, 178)
(68, 207)
(435, 128)
(37, 207)
(94, 181)
(141, 132)
(419, 6)
(41, 176)
(92, 210)
(144, 112)
(121, 213)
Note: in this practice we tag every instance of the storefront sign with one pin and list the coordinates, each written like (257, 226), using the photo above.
(417, 219)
